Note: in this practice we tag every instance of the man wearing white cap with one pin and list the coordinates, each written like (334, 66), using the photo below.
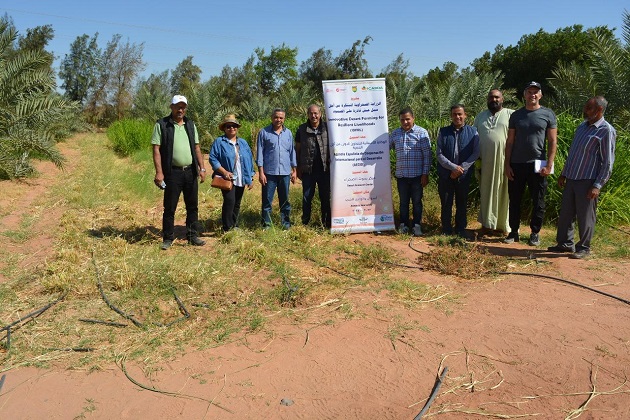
(178, 162)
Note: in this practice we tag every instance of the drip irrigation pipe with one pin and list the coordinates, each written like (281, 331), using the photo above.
(436, 388)
(28, 317)
(573, 283)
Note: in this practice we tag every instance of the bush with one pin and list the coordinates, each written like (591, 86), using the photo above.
(614, 201)
(129, 136)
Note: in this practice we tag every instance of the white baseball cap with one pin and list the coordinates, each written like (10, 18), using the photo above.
(179, 98)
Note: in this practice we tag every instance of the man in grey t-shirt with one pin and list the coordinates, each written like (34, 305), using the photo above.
(528, 129)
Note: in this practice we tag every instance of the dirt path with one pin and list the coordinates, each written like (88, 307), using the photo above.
(519, 346)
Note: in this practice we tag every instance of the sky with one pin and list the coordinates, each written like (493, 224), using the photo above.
(227, 33)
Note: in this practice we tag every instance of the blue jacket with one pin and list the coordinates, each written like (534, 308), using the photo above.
(222, 153)
(468, 151)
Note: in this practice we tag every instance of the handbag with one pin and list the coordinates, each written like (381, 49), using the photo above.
(221, 183)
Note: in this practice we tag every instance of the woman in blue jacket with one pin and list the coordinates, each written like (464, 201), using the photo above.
(231, 158)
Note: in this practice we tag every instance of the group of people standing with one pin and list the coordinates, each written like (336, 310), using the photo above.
(513, 150)
(179, 166)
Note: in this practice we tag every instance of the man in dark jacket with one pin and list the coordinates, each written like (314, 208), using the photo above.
(457, 150)
(178, 162)
(313, 164)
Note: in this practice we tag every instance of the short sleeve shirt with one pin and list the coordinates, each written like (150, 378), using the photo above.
(531, 131)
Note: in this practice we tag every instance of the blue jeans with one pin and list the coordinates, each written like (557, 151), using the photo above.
(280, 182)
(448, 190)
(322, 180)
(410, 189)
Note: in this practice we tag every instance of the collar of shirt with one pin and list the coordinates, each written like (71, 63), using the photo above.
(597, 123)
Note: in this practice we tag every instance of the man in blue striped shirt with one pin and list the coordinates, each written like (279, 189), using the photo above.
(413, 161)
(588, 167)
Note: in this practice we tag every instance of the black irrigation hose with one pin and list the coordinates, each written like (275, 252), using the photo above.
(75, 349)
(326, 266)
(616, 228)
(125, 315)
(436, 388)
(403, 265)
(180, 305)
(290, 288)
(2, 381)
(415, 249)
(29, 316)
(573, 283)
(111, 305)
(98, 321)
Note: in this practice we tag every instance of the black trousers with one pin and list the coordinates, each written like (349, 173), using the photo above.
(322, 180)
(180, 181)
(231, 207)
(524, 176)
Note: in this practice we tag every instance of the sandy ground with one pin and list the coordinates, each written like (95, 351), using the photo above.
(517, 347)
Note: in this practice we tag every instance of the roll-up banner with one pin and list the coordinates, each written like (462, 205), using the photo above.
(361, 189)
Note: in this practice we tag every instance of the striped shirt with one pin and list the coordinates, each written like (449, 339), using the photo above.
(592, 153)
(413, 151)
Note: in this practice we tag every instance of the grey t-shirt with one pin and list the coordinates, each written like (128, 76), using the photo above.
(531, 130)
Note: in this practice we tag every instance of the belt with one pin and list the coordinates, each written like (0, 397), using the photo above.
(181, 168)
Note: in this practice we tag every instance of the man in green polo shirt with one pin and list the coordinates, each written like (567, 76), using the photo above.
(178, 162)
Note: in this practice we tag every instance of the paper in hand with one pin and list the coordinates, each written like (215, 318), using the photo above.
(539, 164)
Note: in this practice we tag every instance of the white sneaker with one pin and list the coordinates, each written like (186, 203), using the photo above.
(417, 230)
(403, 228)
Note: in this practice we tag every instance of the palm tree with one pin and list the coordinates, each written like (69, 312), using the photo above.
(607, 73)
(32, 115)
(207, 106)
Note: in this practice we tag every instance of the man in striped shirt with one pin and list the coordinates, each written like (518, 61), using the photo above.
(413, 161)
(588, 167)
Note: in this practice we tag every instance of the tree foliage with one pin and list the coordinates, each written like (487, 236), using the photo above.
(352, 63)
(152, 97)
(276, 69)
(185, 78)
(32, 115)
(606, 71)
(78, 69)
(535, 56)
(118, 68)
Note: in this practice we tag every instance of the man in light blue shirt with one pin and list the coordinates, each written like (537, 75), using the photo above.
(275, 157)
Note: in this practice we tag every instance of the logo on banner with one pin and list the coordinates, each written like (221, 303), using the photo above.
(354, 88)
(364, 88)
(387, 218)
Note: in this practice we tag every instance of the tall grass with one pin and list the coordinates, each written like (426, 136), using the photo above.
(614, 201)
(128, 136)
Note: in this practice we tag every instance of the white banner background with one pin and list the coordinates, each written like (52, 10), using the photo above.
(361, 192)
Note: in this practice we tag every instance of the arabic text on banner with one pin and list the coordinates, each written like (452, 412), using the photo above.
(361, 191)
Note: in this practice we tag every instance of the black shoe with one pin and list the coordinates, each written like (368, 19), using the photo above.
(194, 240)
(580, 255)
(511, 238)
(166, 244)
(534, 240)
(561, 248)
